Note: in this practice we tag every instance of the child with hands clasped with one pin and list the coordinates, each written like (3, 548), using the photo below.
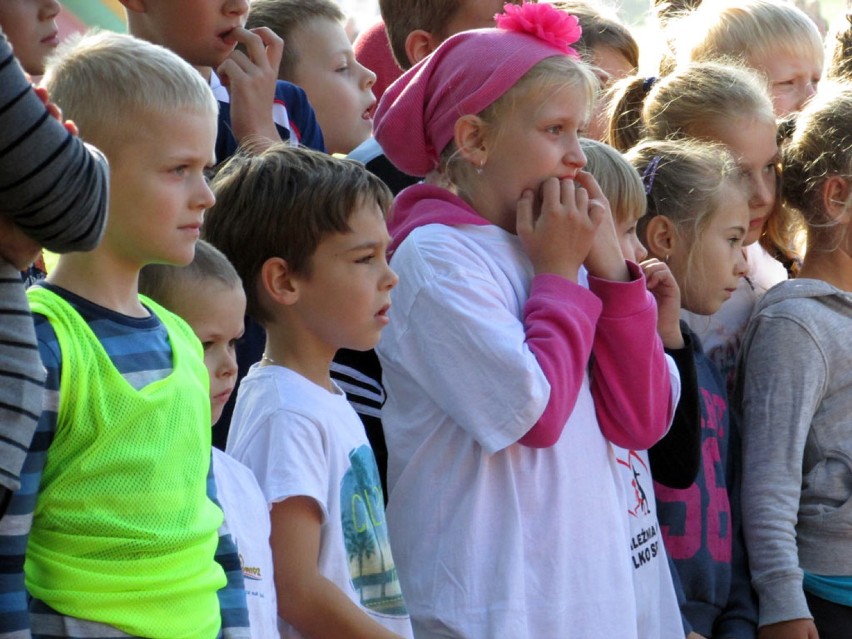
(794, 391)
(696, 222)
(506, 510)
(317, 279)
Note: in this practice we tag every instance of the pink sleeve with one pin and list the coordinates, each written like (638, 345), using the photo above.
(559, 323)
(630, 377)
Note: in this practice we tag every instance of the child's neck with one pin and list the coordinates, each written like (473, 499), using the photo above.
(100, 280)
(300, 353)
(834, 267)
(205, 72)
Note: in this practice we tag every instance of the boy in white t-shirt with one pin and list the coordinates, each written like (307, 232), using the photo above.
(209, 296)
(306, 232)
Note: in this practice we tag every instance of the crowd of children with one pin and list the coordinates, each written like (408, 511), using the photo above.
(558, 350)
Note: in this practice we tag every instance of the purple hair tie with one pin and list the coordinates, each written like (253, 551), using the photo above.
(650, 173)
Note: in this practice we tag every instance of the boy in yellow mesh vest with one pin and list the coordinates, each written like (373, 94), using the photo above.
(124, 539)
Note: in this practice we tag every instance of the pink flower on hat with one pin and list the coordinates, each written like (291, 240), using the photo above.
(543, 21)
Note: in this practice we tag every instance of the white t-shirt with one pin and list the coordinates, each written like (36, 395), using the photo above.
(721, 334)
(493, 539)
(301, 440)
(656, 601)
(247, 519)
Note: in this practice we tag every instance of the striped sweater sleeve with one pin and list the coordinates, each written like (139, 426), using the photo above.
(54, 188)
(52, 185)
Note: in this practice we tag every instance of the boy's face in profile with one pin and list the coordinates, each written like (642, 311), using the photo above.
(158, 187)
(215, 312)
(197, 30)
(339, 88)
(30, 26)
(346, 297)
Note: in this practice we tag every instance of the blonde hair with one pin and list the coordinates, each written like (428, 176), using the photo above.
(819, 148)
(286, 17)
(684, 181)
(536, 85)
(749, 29)
(839, 46)
(693, 101)
(102, 80)
(618, 179)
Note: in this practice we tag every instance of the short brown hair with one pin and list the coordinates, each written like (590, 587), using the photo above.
(600, 29)
(401, 17)
(285, 17)
(282, 203)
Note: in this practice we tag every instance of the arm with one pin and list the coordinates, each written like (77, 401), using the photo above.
(676, 458)
(232, 598)
(250, 77)
(309, 602)
(557, 241)
(775, 361)
(630, 377)
(15, 526)
(52, 185)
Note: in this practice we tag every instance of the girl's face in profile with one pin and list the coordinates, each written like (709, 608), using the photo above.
(536, 140)
(709, 268)
(754, 144)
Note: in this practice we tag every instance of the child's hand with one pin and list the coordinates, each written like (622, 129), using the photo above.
(605, 259)
(250, 78)
(793, 629)
(16, 247)
(558, 236)
(663, 286)
(54, 110)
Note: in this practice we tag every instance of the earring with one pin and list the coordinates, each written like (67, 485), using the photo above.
(480, 167)
(666, 258)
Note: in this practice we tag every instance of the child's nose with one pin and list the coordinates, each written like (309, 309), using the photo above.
(237, 7)
(368, 77)
(741, 266)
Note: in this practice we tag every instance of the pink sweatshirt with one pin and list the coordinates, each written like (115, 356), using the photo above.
(613, 324)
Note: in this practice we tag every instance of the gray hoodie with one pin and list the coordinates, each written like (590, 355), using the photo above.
(794, 398)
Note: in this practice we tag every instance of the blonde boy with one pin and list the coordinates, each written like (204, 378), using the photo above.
(317, 279)
(124, 528)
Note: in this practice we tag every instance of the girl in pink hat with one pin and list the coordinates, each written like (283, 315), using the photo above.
(521, 344)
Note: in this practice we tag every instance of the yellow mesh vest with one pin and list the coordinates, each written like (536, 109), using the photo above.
(123, 531)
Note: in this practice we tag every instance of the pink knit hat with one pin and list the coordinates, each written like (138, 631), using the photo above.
(464, 75)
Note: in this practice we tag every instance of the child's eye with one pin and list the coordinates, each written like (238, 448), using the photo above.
(556, 129)
(180, 170)
(366, 259)
(209, 173)
(735, 241)
(206, 345)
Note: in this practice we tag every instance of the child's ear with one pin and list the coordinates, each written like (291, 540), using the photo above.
(469, 136)
(835, 199)
(660, 237)
(278, 282)
(419, 44)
